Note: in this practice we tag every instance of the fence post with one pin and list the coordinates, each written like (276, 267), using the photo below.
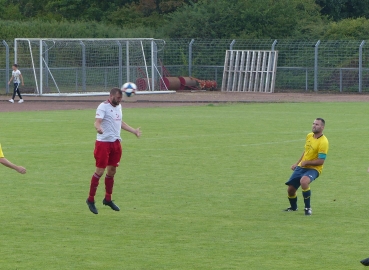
(120, 63)
(190, 58)
(127, 62)
(274, 44)
(6, 66)
(232, 43)
(46, 59)
(41, 68)
(153, 64)
(361, 66)
(306, 79)
(273, 55)
(106, 79)
(83, 65)
(316, 66)
(76, 79)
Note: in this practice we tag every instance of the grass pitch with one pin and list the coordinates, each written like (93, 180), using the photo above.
(202, 189)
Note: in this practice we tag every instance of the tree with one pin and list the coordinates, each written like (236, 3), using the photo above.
(148, 7)
(343, 9)
(249, 19)
(354, 29)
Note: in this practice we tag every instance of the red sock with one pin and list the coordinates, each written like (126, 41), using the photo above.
(93, 187)
(109, 183)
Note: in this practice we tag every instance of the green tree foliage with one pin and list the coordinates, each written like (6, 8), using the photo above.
(90, 10)
(297, 19)
(147, 13)
(132, 16)
(8, 11)
(354, 29)
(252, 18)
(63, 29)
(343, 9)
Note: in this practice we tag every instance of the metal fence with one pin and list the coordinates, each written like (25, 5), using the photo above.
(4, 66)
(335, 66)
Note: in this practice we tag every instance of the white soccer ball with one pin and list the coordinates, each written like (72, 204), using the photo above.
(129, 89)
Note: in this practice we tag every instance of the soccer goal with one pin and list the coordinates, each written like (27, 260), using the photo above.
(249, 71)
(88, 66)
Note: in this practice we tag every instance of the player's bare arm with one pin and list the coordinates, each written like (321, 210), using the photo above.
(11, 78)
(315, 162)
(97, 125)
(128, 128)
(293, 167)
(8, 164)
(20, 75)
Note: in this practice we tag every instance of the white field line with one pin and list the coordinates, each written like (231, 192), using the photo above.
(211, 146)
(269, 143)
(148, 149)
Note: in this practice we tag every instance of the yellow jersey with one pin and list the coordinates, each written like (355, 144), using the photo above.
(314, 149)
(1, 152)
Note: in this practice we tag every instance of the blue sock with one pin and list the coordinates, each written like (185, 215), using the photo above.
(293, 201)
(307, 194)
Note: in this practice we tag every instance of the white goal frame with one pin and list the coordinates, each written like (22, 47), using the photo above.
(40, 69)
(249, 71)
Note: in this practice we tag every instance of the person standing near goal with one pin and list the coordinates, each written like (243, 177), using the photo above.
(308, 167)
(108, 150)
(10, 165)
(16, 78)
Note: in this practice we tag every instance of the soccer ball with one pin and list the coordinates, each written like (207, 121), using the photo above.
(129, 89)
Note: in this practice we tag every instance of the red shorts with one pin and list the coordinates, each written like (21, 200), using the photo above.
(107, 154)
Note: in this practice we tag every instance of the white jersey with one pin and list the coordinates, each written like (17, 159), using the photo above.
(111, 122)
(16, 76)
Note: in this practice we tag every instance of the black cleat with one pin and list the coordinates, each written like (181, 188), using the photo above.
(92, 207)
(290, 209)
(365, 262)
(111, 204)
(308, 211)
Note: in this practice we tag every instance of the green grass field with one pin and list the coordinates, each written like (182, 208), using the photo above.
(203, 188)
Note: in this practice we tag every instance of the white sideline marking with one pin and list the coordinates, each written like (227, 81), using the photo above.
(267, 143)
(212, 146)
(152, 149)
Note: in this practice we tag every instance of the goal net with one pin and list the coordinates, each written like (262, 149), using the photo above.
(88, 66)
(249, 71)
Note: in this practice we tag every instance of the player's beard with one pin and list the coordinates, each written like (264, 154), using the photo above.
(114, 102)
(316, 131)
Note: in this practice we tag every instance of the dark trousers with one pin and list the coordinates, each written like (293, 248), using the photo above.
(16, 91)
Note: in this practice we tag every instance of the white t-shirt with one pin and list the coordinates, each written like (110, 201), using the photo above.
(111, 122)
(16, 75)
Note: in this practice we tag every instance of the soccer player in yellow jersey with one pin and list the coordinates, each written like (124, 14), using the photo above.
(7, 163)
(308, 167)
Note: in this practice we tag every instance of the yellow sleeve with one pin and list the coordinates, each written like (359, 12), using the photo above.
(1, 152)
(323, 147)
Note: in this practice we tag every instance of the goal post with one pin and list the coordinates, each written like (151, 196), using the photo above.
(88, 66)
(249, 71)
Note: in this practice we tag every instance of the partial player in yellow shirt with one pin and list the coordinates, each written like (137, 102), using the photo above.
(8, 164)
(309, 166)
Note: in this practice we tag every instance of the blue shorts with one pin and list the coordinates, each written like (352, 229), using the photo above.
(298, 173)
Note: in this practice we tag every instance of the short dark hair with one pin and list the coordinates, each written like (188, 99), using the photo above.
(115, 90)
(15, 65)
(322, 120)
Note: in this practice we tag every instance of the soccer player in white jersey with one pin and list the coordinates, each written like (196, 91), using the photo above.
(16, 78)
(108, 149)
